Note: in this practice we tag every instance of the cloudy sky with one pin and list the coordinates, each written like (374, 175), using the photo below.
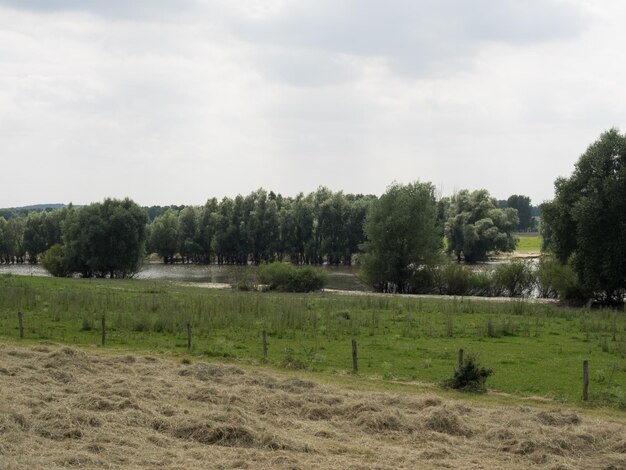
(177, 101)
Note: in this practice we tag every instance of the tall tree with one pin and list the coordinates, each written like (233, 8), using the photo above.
(476, 226)
(403, 237)
(524, 211)
(105, 239)
(585, 224)
(164, 235)
(42, 230)
(188, 246)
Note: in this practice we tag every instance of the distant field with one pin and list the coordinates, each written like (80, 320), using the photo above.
(534, 349)
(528, 243)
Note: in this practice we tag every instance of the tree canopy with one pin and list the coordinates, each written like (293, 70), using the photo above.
(524, 211)
(403, 237)
(102, 239)
(475, 226)
(585, 224)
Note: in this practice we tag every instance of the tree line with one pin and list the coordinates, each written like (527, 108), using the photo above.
(400, 237)
(320, 227)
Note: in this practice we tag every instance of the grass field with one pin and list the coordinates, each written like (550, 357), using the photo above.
(533, 348)
(528, 243)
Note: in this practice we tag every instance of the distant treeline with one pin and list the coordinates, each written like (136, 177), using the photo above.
(312, 229)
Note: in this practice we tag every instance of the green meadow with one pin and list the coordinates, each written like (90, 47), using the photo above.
(528, 243)
(533, 348)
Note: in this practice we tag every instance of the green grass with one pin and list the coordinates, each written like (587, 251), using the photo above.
(534, 349)
(528, 243)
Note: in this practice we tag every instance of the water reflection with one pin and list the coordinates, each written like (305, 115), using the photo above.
(339, 277)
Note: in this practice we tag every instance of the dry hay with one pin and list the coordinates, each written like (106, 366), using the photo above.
(66, 408)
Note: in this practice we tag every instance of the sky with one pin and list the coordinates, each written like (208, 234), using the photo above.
(174, 102)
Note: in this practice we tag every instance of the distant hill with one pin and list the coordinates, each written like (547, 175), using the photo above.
(40, 207)
(11, 212)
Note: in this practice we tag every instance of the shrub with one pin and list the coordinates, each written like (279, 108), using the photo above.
(454, 279)
(515, 279)
(469, 377)
(559, 280)
(457, 279)
(289, 278)
(54, 261)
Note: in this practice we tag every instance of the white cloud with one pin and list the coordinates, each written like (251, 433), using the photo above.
(171, 102)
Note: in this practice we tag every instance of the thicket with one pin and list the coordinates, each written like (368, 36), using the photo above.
(289, 278)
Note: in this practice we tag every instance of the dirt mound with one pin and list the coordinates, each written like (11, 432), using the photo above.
(61, 407)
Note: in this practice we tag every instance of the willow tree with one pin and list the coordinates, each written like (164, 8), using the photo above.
(403, 238)
(476, 226)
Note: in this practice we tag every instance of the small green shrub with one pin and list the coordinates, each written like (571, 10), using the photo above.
(559, 280)
(515, 279)
(454, 279)
(289, 278)
(87, 324)
(469, 377)
(55, 262)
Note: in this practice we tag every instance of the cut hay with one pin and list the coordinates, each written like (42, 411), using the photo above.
(64, 408)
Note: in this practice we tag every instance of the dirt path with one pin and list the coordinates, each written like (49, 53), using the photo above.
(62, 407)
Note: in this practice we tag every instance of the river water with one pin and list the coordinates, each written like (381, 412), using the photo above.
(339, 277)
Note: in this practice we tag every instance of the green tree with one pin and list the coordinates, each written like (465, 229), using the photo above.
(164, 236)
(12, 240)
(188, 246)
(524, 211)
(42, 230)
(476, 226)
(206, 229)
(105, 239)
(403, 238)
(585, 224)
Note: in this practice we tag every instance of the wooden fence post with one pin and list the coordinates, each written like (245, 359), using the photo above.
(189, 336)
(355, 363)
(104, 330)
(265, 345)
(21, 322)
(585, 380)
(460, 364)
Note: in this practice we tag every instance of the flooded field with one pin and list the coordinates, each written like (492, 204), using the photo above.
(339, 277)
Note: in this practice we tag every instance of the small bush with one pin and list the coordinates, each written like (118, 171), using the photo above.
(55, 262)
(470, 377)
(455, 279)
(289, 278)
(560, 280)
(87, 324)
(515, 279)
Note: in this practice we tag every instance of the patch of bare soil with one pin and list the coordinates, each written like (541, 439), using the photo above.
(62, 407)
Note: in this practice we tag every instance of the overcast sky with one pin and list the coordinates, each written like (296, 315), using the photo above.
(178, 101)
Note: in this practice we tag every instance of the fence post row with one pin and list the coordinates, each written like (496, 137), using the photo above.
(189, 336)
(264, 344)
(355, 363)
(21, 323)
